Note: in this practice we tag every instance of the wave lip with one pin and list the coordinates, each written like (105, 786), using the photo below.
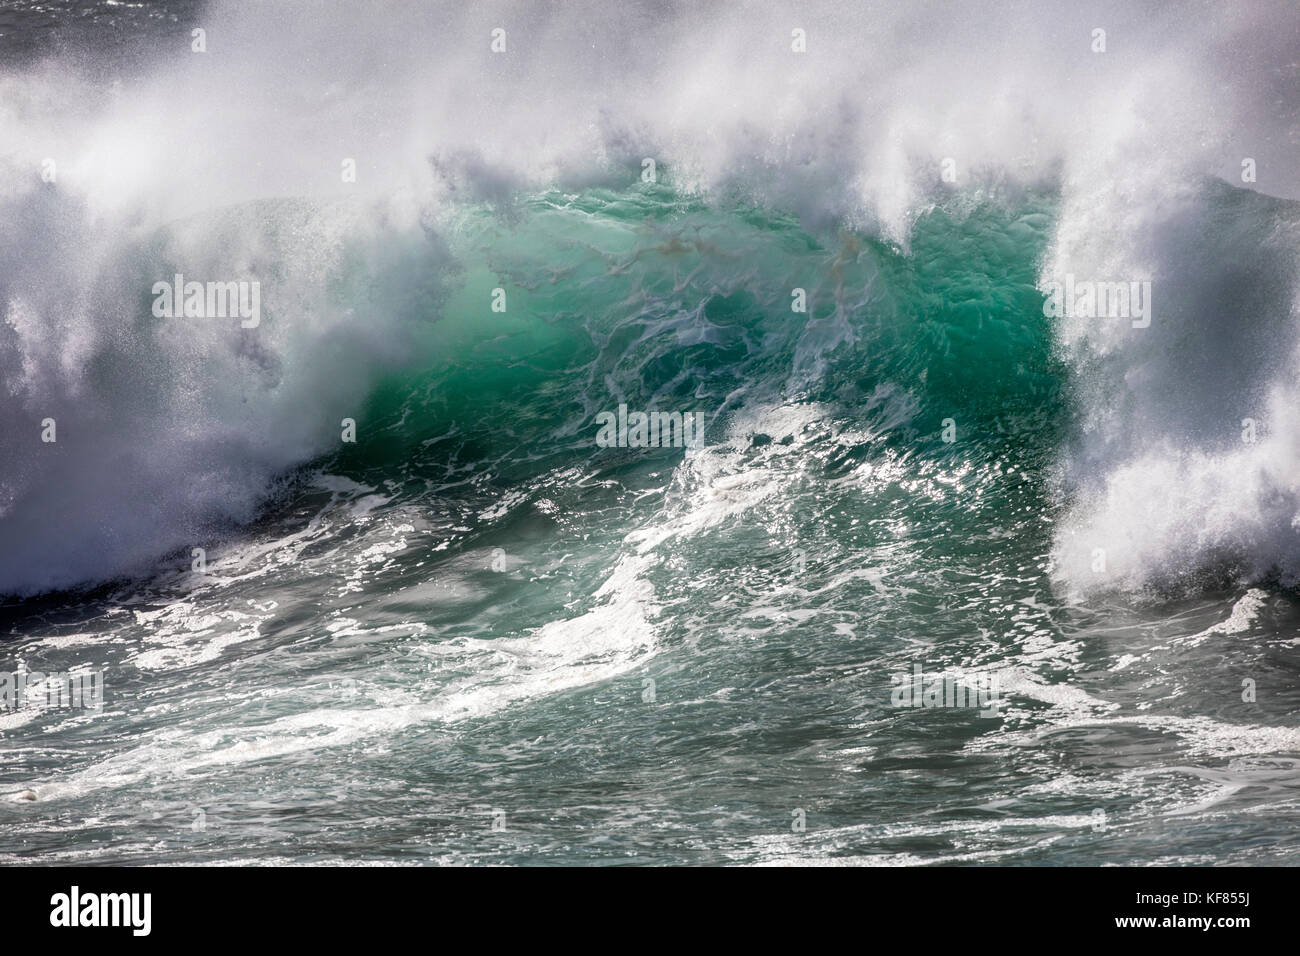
(125, 436)
(1185, 469)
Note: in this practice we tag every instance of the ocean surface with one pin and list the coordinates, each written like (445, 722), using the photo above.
(477, 635)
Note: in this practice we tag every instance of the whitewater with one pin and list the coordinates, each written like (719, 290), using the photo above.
(365, 579)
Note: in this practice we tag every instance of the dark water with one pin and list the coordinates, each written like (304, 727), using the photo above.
(88, 29)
